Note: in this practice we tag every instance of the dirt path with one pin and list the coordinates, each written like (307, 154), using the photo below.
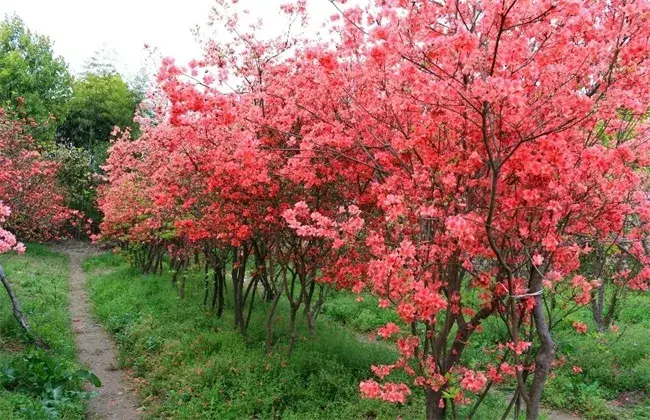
(95, 348)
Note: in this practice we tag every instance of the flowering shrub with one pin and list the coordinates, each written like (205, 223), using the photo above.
(459, 161)
(8, 241)
(28, 186)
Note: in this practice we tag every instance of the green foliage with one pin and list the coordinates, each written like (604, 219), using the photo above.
(636, 310)
(77, 177)
(35, 385)
(616, 361)
(99, 103)
(29, 70)
(363, 316)
(192, 365)
(48, 379)
(613, 364)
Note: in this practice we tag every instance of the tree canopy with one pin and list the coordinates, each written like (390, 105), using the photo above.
(32, 78)
(98, 104)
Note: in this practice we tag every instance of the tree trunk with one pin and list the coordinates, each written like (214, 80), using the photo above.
(268, 342)
(311, 324)
(218, 298)
(238, 275)
(255, 282)
(206, 284)
(292, 329)
(237, 292)
(597, 307)
(181, 289)
(17, 309)
(611, 310)
(222, 292)
(176, 267)
(598, 301)
(433, 402)
(546, 352)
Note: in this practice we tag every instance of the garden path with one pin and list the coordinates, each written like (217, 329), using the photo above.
(95, 347)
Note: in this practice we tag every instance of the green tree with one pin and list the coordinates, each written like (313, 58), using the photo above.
(80, 181)
(33, 81)
(100, 101)
(98, 104)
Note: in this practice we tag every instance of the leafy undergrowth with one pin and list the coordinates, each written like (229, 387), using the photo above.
(35, 384)
(364, 315)
(189, 364)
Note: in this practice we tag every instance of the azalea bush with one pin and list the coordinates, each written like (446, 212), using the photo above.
(461, 161)
(8, 240)
(29, 187)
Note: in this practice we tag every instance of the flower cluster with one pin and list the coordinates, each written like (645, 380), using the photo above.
(7, 239)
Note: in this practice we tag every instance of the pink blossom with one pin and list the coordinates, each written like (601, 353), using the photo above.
(388, 330)
(580, 327)
(473, 381)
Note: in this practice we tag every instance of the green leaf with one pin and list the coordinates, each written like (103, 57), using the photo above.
(94, 380)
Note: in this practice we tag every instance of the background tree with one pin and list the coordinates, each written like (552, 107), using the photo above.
(30, 73)
(102, 62)
(98, 104)
(101, 101)
(79, 181)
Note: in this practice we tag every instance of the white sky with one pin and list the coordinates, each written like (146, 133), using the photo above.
(78, 28)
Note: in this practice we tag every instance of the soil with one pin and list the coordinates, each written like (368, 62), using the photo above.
(627, 399)
(96, 349)
(561, 415)
(552, 413)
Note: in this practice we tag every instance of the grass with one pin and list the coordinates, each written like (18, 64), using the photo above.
(35, 384)
(189, 364)
(361, 315)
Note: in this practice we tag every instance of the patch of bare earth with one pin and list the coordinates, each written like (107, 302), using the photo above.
(8, 346)
(554, 414)
(629, 399)
(95, 347)
(551, 413)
